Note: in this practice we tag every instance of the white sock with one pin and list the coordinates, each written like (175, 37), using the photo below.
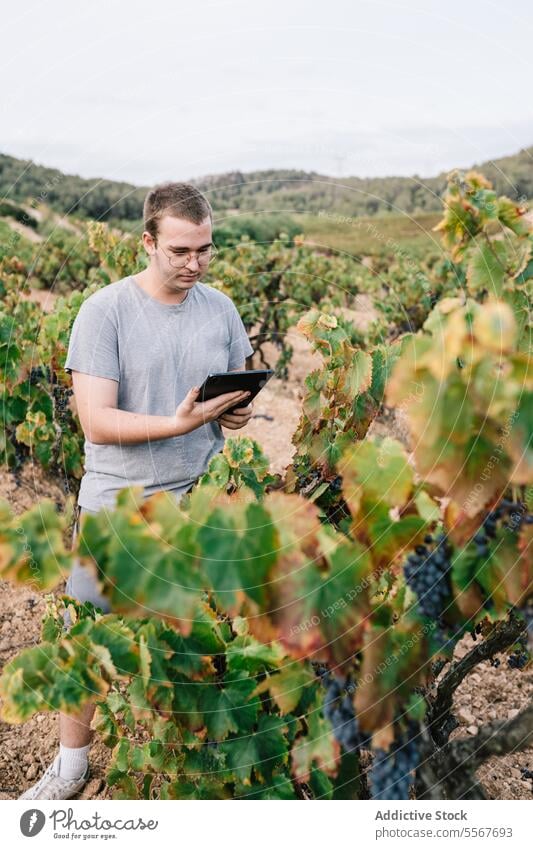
(73, 762)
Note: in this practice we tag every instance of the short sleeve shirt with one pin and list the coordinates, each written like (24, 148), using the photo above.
(156, 352)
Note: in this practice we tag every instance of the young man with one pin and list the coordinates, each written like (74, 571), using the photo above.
(138, 352)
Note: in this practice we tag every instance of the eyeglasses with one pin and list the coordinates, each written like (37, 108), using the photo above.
(182, 257)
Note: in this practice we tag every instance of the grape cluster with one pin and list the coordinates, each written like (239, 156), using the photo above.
(526, 613)
(336, 484)
(511, 514)
(526, 773)
(508, 515)
(61, 396)
(521, 656)
(339, 710)
(308, 480)
(21, 453)
(38, 374)
(476, 631)
(391, 773)
(427, 572)
(518, 659)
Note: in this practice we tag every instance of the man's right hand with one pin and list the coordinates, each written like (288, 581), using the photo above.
(192, 413)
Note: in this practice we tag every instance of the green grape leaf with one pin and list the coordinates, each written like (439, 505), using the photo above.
(286, 686)
(486, 268)
(32, 547)
(318, 748)
(358, 375)
(140, 571)
(260, 751)
(109, 631)
(238, 451)
(253, 656)
(376, 470)
(55, 676)
(218, 472)
(238, 549)
(280, 786)
(231, 708)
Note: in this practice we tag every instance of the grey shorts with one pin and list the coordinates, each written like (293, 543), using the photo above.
(81, 584)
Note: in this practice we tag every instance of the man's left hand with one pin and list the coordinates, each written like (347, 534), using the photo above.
(238, 419)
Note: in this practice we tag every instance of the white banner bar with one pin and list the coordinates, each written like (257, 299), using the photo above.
(256, 824)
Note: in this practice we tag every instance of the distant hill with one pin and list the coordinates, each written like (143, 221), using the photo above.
(289, 191)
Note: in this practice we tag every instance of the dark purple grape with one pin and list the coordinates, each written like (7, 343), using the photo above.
(428, 575)
(339, 711)
(393, 771)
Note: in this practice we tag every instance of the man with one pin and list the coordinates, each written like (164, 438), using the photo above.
(138, 352)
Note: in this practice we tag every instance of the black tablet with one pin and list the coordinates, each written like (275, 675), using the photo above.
(232, 381)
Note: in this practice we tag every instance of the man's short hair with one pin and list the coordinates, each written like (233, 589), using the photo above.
(182, 200)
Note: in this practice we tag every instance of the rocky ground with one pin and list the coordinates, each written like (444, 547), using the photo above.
(489, 693)
(25, 750)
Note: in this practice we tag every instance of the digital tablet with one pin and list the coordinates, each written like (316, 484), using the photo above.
(231, 381)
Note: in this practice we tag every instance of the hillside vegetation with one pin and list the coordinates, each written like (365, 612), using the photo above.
(288, 191)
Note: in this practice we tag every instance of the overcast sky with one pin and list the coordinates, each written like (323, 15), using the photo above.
(172, 90)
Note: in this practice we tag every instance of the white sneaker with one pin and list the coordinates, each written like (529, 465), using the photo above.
(52, 786)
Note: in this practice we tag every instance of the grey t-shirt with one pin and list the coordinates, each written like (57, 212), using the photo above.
(156, 352)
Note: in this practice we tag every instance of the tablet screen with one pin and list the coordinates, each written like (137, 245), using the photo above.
(232, 381)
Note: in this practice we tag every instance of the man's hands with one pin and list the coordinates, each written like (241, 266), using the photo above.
(238, 419)
(192, 413)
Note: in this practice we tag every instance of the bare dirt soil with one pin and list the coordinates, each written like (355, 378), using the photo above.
(26, 750)
(44, 297)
